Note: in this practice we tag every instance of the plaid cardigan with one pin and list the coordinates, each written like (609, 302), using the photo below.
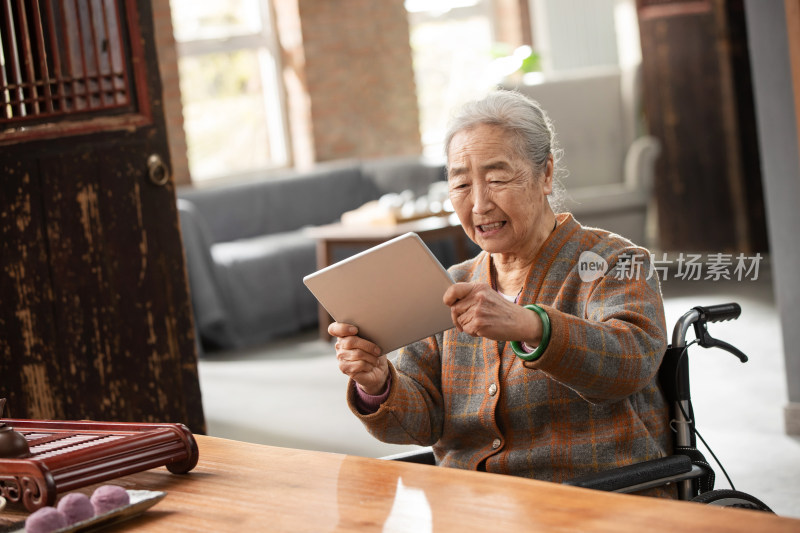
(589, 403)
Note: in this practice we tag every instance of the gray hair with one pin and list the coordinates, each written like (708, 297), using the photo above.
(531, 128)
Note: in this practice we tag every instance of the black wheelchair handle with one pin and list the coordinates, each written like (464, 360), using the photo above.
(719, 313)
(716, 313)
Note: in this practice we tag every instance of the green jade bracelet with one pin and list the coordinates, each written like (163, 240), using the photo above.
(533, 356)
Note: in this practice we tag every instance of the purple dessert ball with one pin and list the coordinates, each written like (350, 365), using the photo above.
(76, 507)
(109, 497)
(45, 520)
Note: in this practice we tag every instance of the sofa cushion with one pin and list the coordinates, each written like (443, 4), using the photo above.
(262, 282)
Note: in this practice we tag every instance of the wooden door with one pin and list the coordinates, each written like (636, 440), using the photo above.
(95, 317)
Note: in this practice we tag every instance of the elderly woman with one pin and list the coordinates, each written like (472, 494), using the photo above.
(548, 372)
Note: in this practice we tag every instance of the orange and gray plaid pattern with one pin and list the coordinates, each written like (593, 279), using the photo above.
(590, 403)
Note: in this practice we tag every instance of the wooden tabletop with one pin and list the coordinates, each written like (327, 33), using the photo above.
(245, 487)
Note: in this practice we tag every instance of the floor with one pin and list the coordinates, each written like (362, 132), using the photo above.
(290, 393)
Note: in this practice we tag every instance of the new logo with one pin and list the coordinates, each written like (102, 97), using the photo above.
(591, 266)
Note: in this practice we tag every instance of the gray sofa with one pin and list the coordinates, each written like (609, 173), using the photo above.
(247, 253)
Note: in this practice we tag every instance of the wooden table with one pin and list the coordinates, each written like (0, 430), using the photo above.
(245, 487)
(332, 236)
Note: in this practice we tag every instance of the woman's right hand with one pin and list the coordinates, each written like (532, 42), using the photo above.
(360, 359)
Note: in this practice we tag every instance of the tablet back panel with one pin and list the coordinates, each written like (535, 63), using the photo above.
(392, 292)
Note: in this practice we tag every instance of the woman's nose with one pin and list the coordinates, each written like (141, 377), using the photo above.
(481, 200)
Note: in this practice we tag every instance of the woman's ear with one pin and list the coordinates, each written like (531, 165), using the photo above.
(547, 179)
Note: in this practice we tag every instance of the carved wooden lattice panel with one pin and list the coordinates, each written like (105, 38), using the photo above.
(61, 57)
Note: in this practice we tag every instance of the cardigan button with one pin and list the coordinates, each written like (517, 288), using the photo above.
(492, 389)
(496, 444)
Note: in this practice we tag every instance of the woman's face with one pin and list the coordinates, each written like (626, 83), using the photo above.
(500, 201)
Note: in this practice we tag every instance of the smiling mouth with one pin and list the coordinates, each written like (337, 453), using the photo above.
(484, 228)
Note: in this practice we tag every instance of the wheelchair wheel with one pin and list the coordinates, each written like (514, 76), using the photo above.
(732, 498)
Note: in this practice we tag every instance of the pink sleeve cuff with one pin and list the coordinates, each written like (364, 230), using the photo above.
(527, 348)
(367, 403)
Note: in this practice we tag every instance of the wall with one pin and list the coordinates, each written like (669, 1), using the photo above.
(778, 136)
(349, 79)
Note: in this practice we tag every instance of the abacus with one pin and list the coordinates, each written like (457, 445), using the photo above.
(66, 455)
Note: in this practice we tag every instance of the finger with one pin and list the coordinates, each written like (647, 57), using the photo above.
(339, 329)
(454, 316)
(469, 326)
(470, 319)
(357, 343)
(462, 313)
(456, 292)
(357, 355)
(457, 298)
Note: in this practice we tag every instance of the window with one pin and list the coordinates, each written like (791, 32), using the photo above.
(452, 43)
(459, 56)
(232, 104)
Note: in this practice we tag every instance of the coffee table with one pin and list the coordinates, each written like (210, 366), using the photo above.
(332, 236)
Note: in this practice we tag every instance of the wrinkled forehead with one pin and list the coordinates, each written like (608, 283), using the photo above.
(481, 139)
(486, 146)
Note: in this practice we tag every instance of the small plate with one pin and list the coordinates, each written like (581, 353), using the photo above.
(141, 500)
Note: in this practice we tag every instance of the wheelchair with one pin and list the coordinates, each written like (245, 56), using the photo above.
(687, 467)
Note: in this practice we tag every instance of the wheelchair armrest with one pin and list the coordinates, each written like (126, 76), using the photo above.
(422, 456)
(637, 476)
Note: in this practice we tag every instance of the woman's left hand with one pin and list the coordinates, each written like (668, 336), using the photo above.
(480, 311)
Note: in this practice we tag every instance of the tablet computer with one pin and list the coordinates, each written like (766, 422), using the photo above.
(392, 292)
